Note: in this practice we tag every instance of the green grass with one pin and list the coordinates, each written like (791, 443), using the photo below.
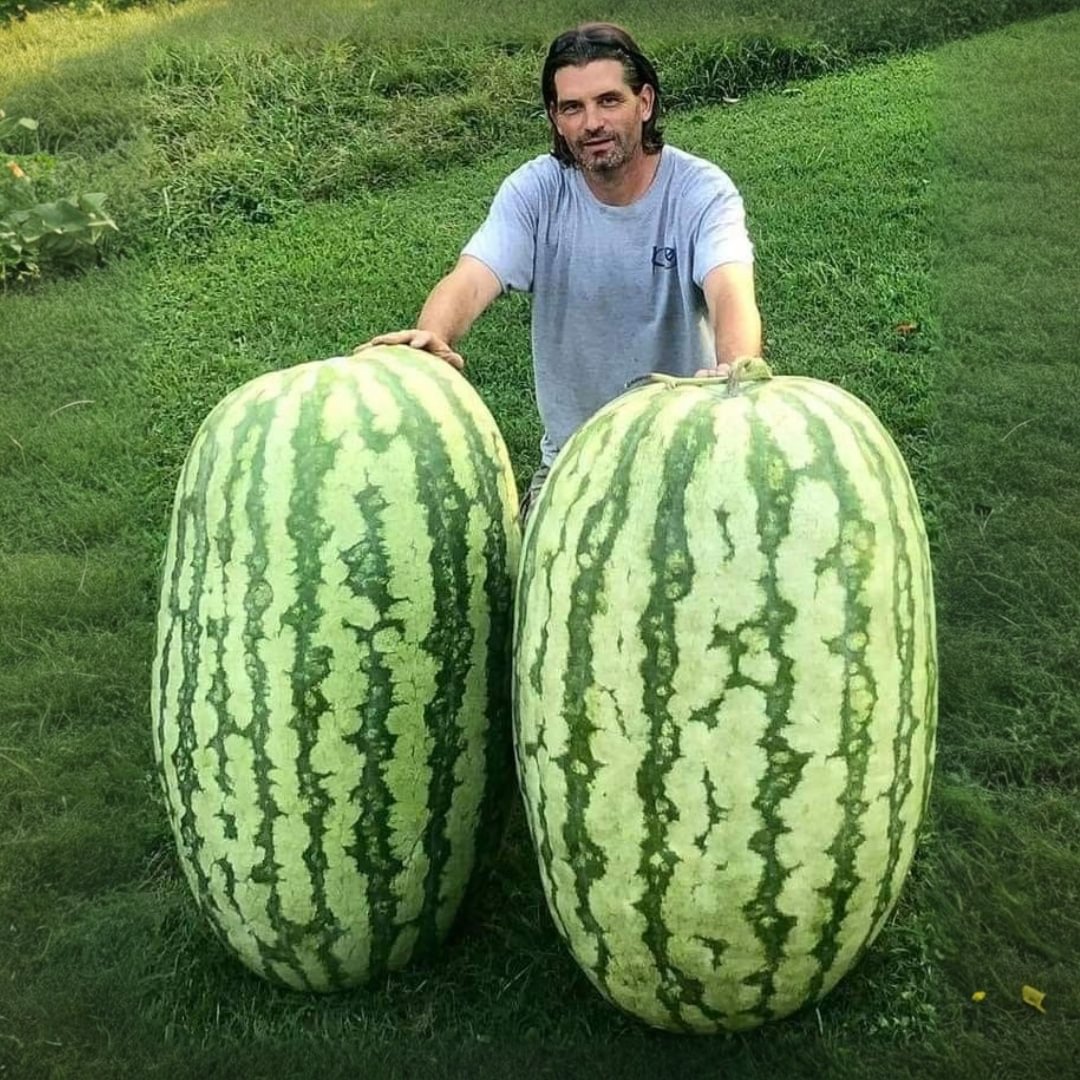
(201, 115)
(198, 116)
(1009, 453)
(1006, 473)
(875, 199)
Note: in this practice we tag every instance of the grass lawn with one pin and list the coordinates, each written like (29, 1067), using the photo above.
(911, 192)
(1007, 476)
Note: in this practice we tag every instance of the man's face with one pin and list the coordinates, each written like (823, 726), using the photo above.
(598, 114)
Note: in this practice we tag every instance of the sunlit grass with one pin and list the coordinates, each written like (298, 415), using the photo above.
(50, 37)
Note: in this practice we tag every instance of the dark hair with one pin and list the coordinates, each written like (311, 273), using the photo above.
(601, 41)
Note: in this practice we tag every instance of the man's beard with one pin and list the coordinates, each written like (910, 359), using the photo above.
(616, 155)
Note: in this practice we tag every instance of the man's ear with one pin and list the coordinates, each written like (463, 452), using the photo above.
(648, 100)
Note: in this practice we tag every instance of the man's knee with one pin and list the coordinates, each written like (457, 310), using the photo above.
(528, 500)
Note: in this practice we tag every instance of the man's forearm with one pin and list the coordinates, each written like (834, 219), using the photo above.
(737, 333)
(457, 301)
(733, 312)
(444, 313)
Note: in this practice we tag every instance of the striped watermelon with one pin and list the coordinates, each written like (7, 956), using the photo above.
(724, 693)
(331, 688)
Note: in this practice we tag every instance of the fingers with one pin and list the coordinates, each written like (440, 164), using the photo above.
(418, 339)
(425, 340)
(399, 337)
(721, 371)
(454, 359)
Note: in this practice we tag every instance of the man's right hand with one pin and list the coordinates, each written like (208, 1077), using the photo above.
(418, 339)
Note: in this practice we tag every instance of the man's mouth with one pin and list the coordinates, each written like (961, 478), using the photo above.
(595, 144)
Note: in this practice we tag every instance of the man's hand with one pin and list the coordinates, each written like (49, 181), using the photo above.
(451, 308)
(418, 339)
(721, 371)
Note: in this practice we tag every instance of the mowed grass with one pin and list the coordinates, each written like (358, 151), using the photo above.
(853, 184)
(1007, 477)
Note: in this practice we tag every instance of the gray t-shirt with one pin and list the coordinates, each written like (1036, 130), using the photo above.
(616, 289)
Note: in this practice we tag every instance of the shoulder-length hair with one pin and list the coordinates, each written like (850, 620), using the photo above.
(601, 41)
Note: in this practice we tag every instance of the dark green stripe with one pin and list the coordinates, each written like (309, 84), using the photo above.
(261, 561)
(169, 712)
(855, 741)
(450, 639)
(669, 556)
(536, 573)
(526, 750)
(907, 531)
(930, 705)
(605, 516)
(489, 458)
(717, 814)
(773, 479)
(313, 457)
(193, 546)
(903, 614)
(217, 632)
(368, 576)
(255, 421)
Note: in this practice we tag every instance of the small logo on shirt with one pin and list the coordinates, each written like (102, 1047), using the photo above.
(664, 257)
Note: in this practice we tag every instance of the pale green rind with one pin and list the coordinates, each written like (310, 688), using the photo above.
(272, 822)
(714, 970)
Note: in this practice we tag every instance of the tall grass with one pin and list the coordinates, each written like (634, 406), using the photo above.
(205, 114)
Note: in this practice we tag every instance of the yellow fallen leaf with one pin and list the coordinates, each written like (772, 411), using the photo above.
(13, 167)
(1033, 997)
(979, 995)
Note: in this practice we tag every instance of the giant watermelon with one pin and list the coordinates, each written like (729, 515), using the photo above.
(331, 686)
(725, 687)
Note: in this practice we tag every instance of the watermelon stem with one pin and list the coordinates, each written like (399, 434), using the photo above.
(743, 369)
(747, 369)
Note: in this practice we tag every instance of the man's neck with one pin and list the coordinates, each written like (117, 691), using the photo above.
(626, 185)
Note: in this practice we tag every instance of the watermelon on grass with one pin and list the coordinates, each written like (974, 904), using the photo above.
(331, 686)
(725, 693)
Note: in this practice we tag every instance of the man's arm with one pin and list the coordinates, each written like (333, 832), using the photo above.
(449, 311)
(733, 314)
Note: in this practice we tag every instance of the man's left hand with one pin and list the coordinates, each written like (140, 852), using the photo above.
(721, 371)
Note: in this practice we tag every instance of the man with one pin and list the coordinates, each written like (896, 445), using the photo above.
(636, 253)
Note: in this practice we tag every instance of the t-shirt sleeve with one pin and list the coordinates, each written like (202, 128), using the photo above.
(721, 236)
(506, 242)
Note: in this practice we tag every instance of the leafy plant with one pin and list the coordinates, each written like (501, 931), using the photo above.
(18, 10)
(65, 232)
